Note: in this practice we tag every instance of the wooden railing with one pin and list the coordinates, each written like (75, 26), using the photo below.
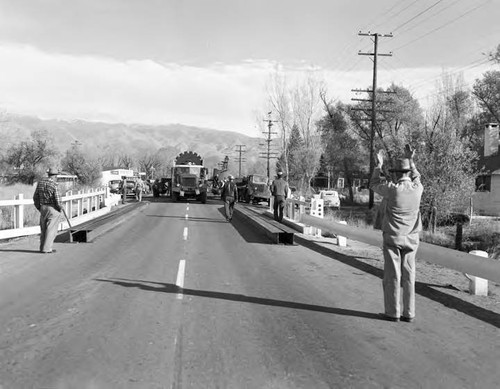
(79, 207)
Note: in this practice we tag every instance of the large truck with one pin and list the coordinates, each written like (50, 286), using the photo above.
(189, 178)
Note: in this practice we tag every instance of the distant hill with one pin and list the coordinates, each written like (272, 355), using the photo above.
(103, 138)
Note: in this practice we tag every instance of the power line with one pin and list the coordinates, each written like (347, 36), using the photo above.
(417, 15)
(429, 17)
(444, 25)
(389, 17)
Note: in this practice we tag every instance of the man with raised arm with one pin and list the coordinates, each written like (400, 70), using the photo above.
(401, 224)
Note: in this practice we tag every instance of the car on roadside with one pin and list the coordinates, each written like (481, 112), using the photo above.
(254, 189)
(130, 187)
(114, 186)
(330, 198)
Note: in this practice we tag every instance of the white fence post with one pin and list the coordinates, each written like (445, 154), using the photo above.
(342, 240)
(478, 286)
(19, 212)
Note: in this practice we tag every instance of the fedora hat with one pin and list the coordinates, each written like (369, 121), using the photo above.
(52, 171)
(401, 165)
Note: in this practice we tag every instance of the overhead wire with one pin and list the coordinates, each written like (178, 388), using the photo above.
(417, 15)
(397, 14)
(444, 25)
(409, 28)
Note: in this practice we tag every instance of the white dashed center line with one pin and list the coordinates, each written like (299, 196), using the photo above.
(180, 276)
(185, 233)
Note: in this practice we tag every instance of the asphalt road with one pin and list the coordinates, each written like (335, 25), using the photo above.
(176, 297)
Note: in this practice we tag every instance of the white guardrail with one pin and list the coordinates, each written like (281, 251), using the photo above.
(80, 207)
(296, 215)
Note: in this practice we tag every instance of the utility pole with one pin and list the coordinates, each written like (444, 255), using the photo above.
(240, 159)
(373, 100)
(269, 154)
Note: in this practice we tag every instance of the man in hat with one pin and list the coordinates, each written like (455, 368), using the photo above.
(229, 195)
(401, 224)
(279, 190)
(48, 201)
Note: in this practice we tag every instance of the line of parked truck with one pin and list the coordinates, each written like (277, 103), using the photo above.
(189, 180)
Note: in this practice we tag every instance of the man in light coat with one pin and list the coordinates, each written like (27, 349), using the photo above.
(401, 224)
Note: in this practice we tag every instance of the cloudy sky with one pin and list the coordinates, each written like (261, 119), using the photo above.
(206, 62)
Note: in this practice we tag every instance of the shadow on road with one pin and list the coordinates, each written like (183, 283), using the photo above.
(250, 234)
(21, 251)
(422, 288)
(171, 288)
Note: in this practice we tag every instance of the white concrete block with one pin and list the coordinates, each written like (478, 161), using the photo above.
(478, 286)
(342, 240)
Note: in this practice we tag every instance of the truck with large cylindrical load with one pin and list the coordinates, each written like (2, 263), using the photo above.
(189, 178)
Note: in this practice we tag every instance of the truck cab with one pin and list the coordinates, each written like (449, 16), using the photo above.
(254, 188)
(189, 178)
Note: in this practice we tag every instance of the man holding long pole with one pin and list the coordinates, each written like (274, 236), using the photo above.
(48, 201)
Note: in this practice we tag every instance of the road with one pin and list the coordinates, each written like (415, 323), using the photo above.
(176, 297)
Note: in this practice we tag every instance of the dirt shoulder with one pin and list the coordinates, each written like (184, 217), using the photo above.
(450, 287)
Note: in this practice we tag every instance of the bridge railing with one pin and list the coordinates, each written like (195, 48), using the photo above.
(79, 206)
(302, 214)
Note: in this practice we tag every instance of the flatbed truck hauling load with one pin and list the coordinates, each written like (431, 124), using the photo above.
(189, 178)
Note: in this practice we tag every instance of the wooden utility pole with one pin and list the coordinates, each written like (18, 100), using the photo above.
(373, 91)
(240, 159)
(268, 154)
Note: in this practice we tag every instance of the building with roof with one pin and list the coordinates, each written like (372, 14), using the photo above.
(486, 199)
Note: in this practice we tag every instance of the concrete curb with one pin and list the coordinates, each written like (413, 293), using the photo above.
(105, 223)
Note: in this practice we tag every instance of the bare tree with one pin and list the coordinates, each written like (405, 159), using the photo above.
(298, 106)
(149, 163)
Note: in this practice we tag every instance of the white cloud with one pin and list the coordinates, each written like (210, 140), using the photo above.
(91, 88)
(221, 96)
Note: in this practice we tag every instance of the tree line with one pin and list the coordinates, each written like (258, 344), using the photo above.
(319, 135)
(26, 161)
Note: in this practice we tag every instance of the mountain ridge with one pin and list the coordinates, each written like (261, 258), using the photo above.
(101, 138)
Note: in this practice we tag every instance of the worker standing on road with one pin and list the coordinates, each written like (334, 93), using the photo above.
(279, 190)
(124, 189)
(47, 200)
(401, 224)
(229, 195)
(139, 188)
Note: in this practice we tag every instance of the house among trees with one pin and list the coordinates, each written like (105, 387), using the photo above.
(486, 199)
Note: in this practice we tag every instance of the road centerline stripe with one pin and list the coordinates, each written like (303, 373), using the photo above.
(185, 233)
(180, 276)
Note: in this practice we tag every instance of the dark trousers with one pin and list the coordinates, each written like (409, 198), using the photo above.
(278, 207)
(229, 206)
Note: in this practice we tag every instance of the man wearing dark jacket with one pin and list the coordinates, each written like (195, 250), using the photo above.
(48, 201)
(279, 190)
(229, 195)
